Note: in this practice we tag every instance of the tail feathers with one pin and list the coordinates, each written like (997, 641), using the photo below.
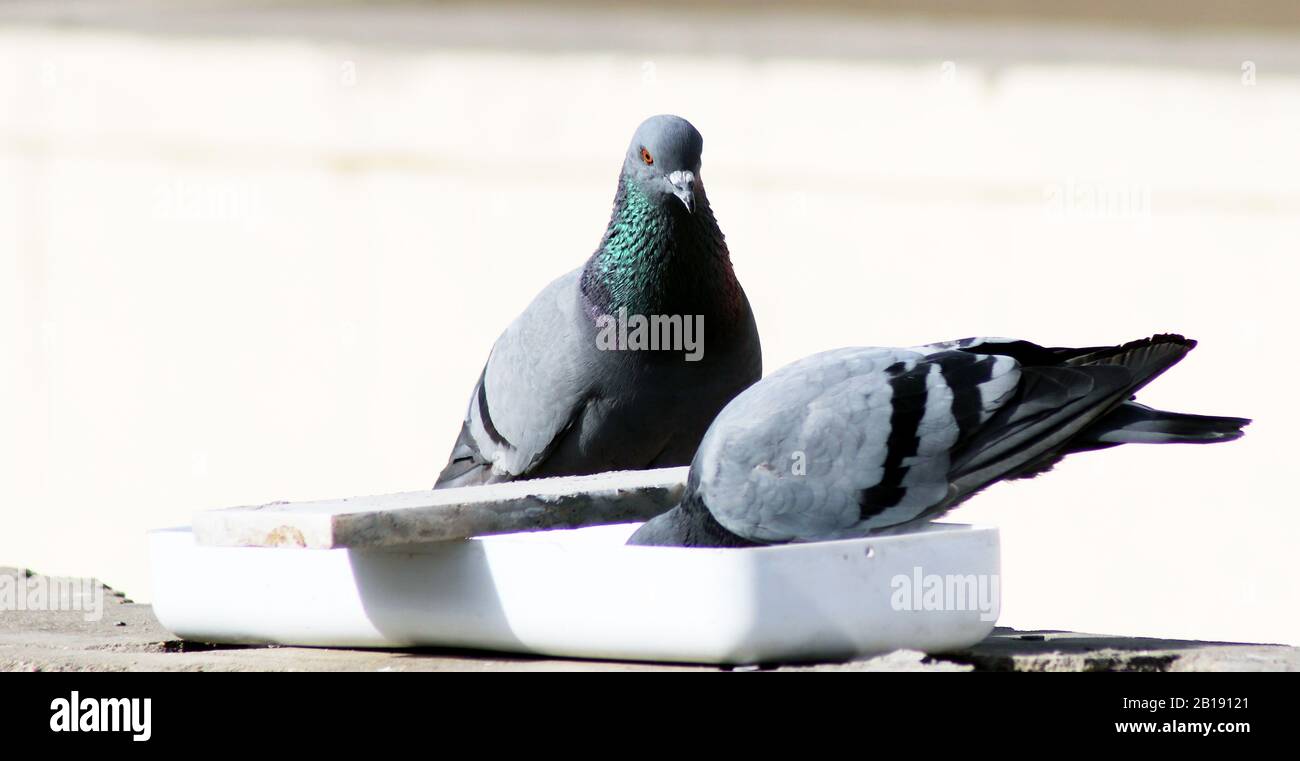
(466, 474)
(1054, 405)
(466, 467)
(1133, 423)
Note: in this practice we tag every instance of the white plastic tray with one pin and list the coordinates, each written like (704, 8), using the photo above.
(579, 593)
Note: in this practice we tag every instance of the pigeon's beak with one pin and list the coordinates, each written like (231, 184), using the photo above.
(684, 188)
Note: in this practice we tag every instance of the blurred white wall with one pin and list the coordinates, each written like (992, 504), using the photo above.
(238, 266)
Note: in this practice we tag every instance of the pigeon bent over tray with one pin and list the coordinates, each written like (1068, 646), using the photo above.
(623, 363)
(857, 441)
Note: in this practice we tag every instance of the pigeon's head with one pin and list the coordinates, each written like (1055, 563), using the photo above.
(664, 158)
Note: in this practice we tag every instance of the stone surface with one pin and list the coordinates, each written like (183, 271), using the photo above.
(128, 638)
(1049, 650)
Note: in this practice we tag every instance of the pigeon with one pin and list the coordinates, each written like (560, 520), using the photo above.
(859, 441)
(623, 363)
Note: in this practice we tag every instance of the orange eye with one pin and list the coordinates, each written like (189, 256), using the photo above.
(646, 157)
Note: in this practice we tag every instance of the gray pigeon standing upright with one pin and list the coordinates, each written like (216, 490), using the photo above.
(860, 440)
(623, 363)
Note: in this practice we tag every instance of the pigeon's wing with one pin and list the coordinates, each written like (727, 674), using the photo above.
(847, 441)
(860, 440)
(534, 387)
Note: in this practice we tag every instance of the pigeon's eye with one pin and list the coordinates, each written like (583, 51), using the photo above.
(646, 157)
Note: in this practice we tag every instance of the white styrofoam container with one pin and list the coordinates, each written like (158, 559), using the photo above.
(582, 593)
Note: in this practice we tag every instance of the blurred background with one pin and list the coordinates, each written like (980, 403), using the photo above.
(259, 251)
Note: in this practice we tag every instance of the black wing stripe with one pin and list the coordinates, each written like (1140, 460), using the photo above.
(485, 416)
(907, 410)
(965, 373)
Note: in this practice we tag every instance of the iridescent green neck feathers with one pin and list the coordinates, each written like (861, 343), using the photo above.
(659, 258)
